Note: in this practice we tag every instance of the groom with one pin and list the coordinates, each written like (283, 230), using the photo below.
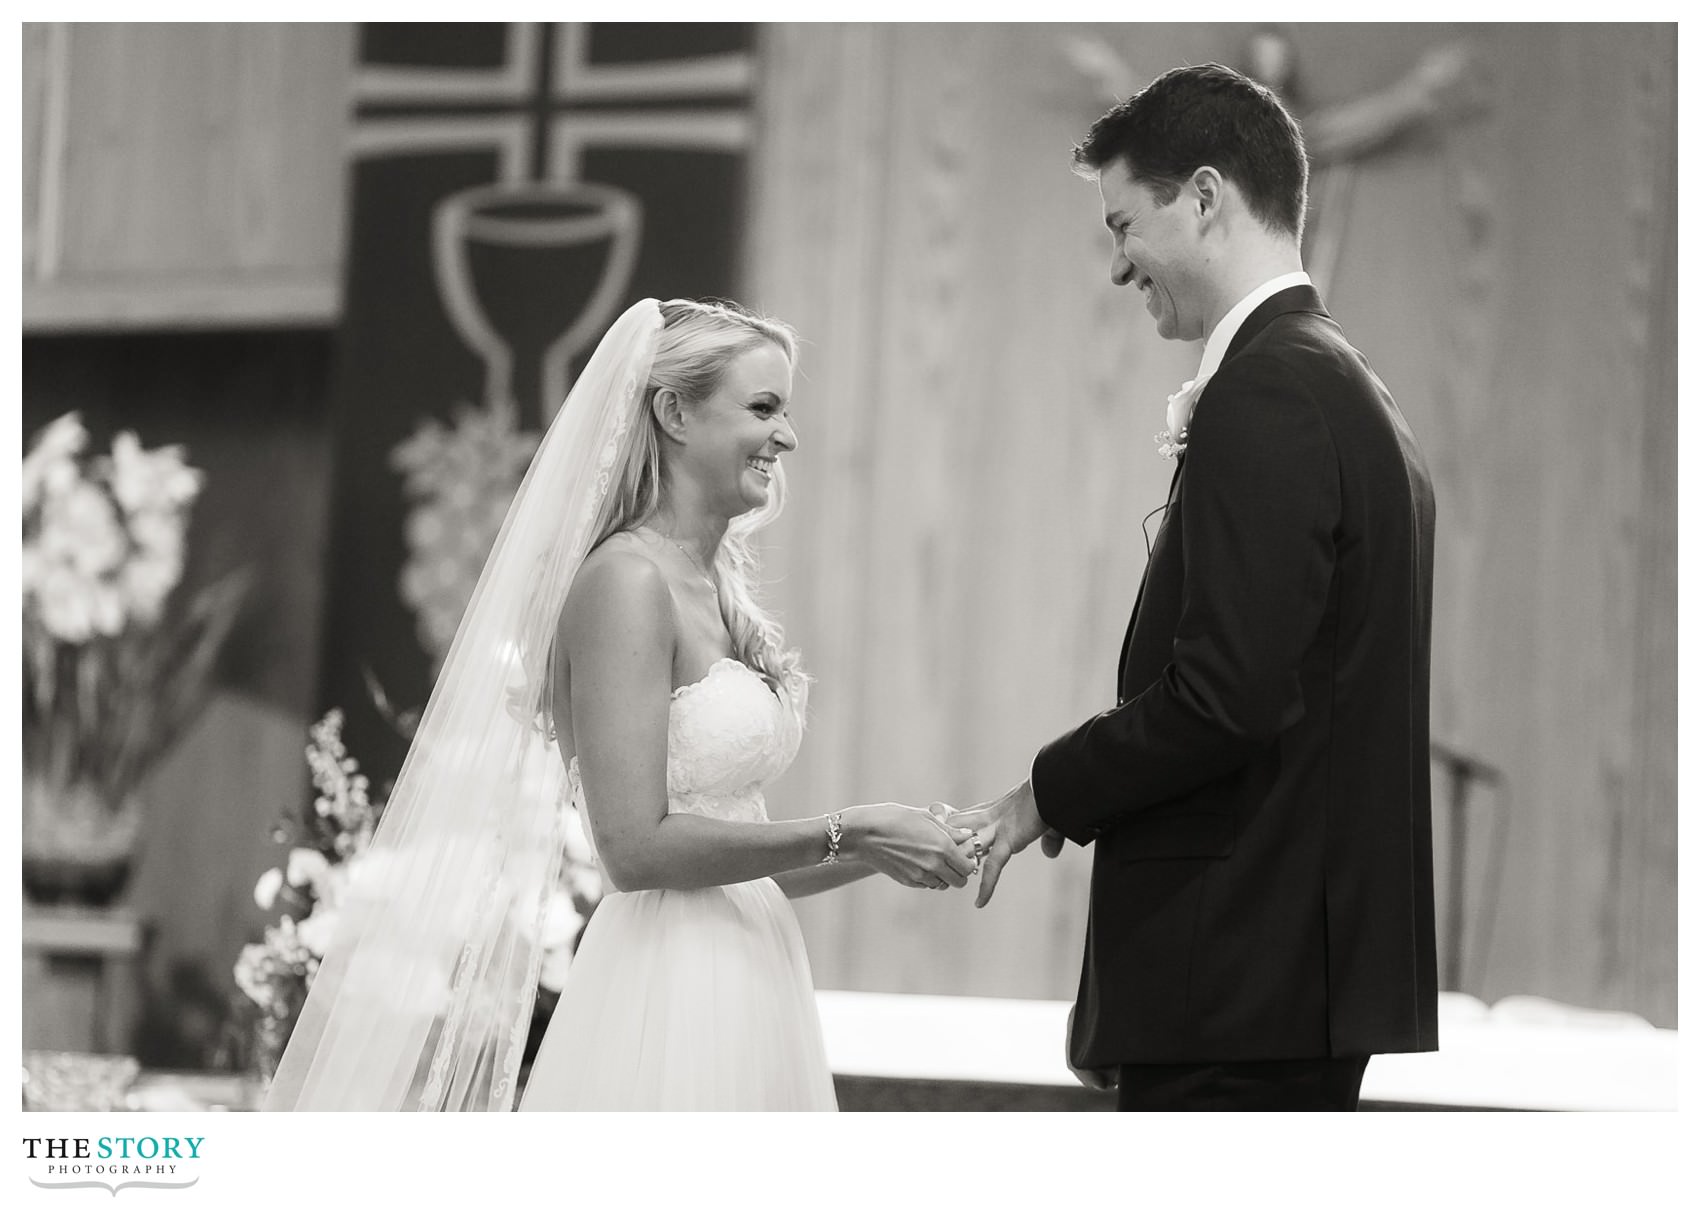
(1262, 911)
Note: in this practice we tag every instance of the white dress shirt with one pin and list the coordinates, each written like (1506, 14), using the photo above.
(1216, 347)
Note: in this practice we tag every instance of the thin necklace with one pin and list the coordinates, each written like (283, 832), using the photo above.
(695, 563)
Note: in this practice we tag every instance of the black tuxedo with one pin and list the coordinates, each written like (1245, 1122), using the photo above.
(1262, 882)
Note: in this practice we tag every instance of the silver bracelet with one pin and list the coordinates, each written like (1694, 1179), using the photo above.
(834, 836)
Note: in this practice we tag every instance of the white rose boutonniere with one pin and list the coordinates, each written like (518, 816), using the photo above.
(1172, 441)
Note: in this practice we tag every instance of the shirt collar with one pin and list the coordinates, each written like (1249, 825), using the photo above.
(1220, 336)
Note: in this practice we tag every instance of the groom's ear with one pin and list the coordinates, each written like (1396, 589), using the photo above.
(669, 413)
(1207, 192)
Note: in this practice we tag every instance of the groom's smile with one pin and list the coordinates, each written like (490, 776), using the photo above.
(1150, 248)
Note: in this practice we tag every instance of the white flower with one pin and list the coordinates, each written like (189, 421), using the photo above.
(284, 941)
(461, 480)
(51, 465)
(575, 839)
(81, 527)
(267, 889)
(317, 930)
(158, 533)
(331, 884)
(1172, 441)
(561, 921)
(585, 879)
(306, 866)
(553, 975)
(251, 976)
(147, 581)
(65, 600)
(156, 480)
(106, 606)
(366, 877)
(426, 527)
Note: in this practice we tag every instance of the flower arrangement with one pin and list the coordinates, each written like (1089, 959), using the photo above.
(111, 676)
(326, 845)
(462, 480)
(327, 849)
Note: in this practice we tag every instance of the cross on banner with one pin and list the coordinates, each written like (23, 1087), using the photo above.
(562, 244)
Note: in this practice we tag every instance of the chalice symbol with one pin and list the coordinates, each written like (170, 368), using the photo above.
(530, 275)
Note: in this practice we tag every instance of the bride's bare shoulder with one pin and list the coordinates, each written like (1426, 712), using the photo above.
(619, 580)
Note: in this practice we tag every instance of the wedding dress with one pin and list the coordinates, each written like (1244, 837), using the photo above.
(694, 999)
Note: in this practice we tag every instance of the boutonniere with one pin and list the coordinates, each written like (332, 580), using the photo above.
(1172, 441)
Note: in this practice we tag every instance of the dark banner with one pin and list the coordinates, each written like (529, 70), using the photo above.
(514, 188)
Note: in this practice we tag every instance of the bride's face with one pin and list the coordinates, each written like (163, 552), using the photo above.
(733, 440)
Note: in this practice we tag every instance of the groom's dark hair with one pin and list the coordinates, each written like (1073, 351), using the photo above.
(1193, 116)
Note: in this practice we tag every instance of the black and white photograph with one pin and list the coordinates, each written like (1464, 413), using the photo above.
(946, 567)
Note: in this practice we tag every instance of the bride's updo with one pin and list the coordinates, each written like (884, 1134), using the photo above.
(698, 342)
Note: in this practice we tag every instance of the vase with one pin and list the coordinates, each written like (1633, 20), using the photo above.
(78, 847)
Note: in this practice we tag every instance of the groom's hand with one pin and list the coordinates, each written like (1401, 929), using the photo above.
(1006, 826)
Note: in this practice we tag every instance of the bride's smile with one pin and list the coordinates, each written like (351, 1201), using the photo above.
(730, 443)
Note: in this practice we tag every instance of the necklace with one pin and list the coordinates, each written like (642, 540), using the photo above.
(695, 563)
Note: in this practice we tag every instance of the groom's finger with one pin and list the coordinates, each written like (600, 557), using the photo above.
(990, 869)
(1052, 843)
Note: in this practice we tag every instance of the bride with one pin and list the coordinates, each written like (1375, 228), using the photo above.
(613, 656)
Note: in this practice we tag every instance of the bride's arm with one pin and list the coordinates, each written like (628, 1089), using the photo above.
(618, 634)
(806, 882)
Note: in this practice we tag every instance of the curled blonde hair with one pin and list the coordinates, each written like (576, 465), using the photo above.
(698, 341)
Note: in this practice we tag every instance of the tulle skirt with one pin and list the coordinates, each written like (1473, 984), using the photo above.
(686, 1000)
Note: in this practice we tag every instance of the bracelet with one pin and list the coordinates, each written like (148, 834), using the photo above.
(834, 836)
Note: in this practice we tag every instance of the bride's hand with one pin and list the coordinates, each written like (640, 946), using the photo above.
(909, 845)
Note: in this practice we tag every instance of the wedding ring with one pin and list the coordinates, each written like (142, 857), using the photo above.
(979, 847)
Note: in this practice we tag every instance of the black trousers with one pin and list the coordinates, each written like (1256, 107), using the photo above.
(1319, 1085)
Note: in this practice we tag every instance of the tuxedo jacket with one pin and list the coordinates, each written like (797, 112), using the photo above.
(1258, 798)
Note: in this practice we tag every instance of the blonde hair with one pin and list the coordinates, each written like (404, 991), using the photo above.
(698, 341)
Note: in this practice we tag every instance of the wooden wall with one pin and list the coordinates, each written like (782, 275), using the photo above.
(976, 412)
(183, 174)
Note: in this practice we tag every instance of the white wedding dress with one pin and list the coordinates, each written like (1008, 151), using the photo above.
(698, 999)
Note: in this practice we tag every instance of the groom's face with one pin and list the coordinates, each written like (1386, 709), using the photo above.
(1155, 249)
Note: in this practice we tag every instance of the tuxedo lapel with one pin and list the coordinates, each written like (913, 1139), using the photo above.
(1293, 299)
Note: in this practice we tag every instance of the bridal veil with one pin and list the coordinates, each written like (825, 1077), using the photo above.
(424, 997)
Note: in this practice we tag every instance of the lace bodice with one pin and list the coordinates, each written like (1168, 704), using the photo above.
(727, 736)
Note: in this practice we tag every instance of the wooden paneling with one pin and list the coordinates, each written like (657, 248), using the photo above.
(184, 174)
(957, 458)
(975, 409)
(38, 111)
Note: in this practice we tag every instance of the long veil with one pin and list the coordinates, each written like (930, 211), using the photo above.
(424, 996)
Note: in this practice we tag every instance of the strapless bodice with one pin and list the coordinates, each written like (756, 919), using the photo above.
(727, 735)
